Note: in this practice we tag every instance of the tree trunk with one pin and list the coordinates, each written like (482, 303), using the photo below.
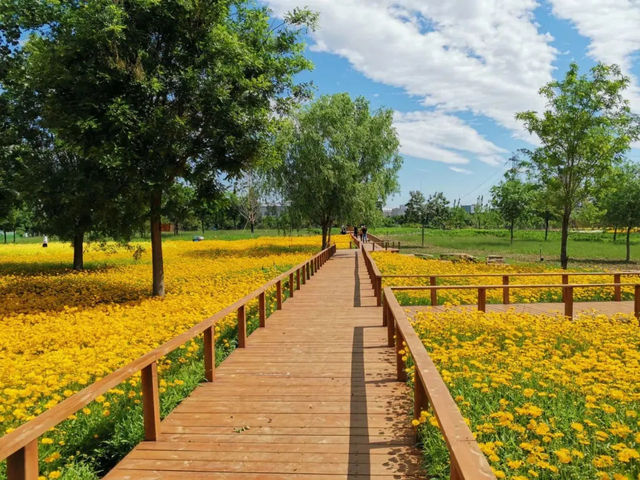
(511, 232)
(324, 236)
(252, 227)
(329, 233)
(202, 225)
(564, 259)
(176, 228)
(156, 244)
(78, 253)
(546, 228)
(615, 233)
(423, 235)
(5, 236)
(628, 244)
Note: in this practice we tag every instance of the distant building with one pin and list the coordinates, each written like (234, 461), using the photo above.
(395, 212)
(470, 209)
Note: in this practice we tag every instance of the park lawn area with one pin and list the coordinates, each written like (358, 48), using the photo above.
(546, 397)
(63, 329)
(595, 249)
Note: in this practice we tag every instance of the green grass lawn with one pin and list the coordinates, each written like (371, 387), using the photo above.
(588, 249)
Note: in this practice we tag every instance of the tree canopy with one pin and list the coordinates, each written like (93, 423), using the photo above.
(586, 128)
(340, 161)
(157, 91)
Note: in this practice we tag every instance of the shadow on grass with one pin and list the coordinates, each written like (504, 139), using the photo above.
(31, 294)
(256, 252)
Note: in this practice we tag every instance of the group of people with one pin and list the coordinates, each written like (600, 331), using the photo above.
(361, 234)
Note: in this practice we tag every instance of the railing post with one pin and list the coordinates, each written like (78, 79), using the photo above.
(23, 464)
(617, 290)
(379, 289)
(565, 281)
(568, 302)
(434, 292)
(400, 364)
(242, 327)
(303, 275)
(636, 301)
(308, 268)
(505, 291)
(209, 354)
(420, 401)
(482, 299)
(151, 402)
(391, 328)
(298, 279)
(373, 248)
(291, 285)
(454, 472)
(385, 312)
(279, 294)
(262, 309)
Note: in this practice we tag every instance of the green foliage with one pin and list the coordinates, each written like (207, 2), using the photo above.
(340, 161)
(512, 198)
(415, 207)
(586, 129)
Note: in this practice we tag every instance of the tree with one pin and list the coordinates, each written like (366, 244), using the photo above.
(166, 90)
(585, 129)
(545, 205)
(340, 160)
(415, 207)
(622, 203)
(436, 210)
(251, 192)
(511, 197)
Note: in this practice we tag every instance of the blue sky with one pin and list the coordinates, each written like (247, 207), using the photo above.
(455, 73)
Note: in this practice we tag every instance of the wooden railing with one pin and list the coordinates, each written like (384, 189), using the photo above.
(20, 447)
(567, 292)
(467, 462)
(383, 244)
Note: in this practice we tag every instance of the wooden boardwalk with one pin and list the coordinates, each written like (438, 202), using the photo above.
(314, 395)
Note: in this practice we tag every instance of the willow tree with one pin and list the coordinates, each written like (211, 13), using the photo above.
(340, 161)
(166, 90)
(585, 130)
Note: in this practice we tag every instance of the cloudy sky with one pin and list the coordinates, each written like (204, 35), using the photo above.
(455, 73)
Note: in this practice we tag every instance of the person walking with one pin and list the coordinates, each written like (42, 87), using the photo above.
(364, 233)
(45, 241)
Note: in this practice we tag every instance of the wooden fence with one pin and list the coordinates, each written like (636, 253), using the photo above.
(20, 447)
(467, 462)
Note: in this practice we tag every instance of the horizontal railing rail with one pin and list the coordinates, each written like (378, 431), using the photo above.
(467, 462)
(20, 447)
(567, 292)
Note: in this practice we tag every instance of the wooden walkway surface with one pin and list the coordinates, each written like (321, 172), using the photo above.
(314, 395)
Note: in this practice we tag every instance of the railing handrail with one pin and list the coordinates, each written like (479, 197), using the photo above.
(510, 286)
(507, 274)
(28, 432)
(466, 459)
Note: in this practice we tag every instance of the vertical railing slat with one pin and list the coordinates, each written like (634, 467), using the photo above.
(23, 464)
(209, 354)
(262, 309)
(242, 327)
(151, 402)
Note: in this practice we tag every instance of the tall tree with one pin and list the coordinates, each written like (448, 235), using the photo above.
(415, 207)
(166, 90)
(512, 198)
(585, 129)
(341, 160)
(622, 203)
(436, 210)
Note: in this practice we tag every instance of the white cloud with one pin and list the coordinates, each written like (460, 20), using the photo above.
(612, 28)
(460, 170)
(443, 138)
(483, 56)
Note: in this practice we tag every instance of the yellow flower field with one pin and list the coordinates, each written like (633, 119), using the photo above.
(61, 329)
(546, 397)
(394, 264)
